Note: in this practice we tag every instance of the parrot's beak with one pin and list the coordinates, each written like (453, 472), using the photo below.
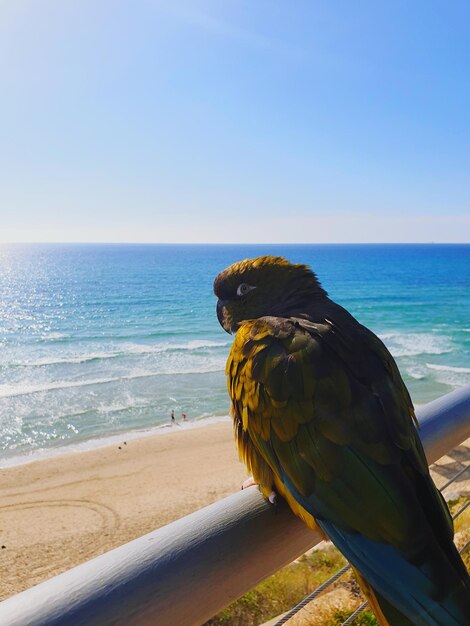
(223, 316)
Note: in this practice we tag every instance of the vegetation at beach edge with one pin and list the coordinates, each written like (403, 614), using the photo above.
(284, 589)
(287, 587)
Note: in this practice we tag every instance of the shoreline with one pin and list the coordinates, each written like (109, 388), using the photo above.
(96, 443)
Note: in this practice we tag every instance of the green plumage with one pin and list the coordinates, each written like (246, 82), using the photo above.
(322, 415)
(328, 430)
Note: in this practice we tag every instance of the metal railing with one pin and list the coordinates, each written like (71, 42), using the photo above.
(184, 573)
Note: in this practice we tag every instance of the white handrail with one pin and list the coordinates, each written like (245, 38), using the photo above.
(187, 571)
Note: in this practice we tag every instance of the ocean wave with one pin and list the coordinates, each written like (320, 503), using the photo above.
(101, 410)
(19, 389)
(56, 337)
(415, 344)
(78, 358)
(449, 368)
(450, 375)
(416, 372)
(129, 350)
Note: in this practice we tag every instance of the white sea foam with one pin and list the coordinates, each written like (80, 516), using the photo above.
(76, 358)
(449, 368)
(194, 344)
(125, 350)
(21, 389)
(417, 372)
(54, 336)
(450, 375)
(415, 344)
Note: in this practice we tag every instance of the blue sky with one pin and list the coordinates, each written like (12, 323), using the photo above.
(253, 121)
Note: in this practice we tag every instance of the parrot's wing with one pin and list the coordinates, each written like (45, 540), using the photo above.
(334, 429)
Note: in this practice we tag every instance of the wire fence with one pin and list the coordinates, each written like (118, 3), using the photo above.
(313, 595)
(360, 609)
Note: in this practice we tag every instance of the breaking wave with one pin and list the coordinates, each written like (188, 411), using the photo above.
(416, 344)
(125, 351)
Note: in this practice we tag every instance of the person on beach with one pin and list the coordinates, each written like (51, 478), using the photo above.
(183, 415)
(172, 414)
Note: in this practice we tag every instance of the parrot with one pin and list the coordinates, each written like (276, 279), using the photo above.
(323, 418)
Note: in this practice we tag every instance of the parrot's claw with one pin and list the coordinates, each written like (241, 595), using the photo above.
(249, 482)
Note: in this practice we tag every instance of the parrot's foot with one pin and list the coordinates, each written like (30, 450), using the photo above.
(250, 482)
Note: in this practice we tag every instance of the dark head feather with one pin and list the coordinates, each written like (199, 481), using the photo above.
(267, 285)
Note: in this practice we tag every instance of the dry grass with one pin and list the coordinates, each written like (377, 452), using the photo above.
(462, 527)
(281, 591)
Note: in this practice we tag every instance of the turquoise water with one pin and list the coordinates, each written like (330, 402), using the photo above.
(101, 340)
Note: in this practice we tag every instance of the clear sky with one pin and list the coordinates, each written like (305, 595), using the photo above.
(235, 121)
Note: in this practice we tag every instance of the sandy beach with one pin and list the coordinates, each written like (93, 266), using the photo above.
(59, 512)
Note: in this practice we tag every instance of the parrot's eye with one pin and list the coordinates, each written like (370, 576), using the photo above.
(244, 288)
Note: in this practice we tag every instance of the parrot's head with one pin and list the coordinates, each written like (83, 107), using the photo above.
(267, 285)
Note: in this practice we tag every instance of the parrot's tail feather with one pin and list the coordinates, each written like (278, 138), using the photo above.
(395, 617)
(404, 593)
(386, 614)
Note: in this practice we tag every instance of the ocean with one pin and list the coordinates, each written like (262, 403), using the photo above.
(100, 342)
